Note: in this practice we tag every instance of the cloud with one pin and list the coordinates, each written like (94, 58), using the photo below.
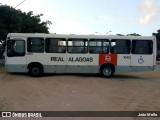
(148, 11)
(146, 19)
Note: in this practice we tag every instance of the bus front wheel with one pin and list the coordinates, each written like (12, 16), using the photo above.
(107, 71)
(35, 70)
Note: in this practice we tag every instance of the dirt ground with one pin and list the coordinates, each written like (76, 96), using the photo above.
(124, 92)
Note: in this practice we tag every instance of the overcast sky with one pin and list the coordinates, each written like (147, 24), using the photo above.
(90, 16)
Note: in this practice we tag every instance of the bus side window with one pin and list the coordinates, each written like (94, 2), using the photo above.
(77, 45)
(15, 48)
(99, 46)
(55, 45)
(35, 45)
(119, 46)
(142, 47)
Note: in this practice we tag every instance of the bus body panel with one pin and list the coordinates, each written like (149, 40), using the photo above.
(142, 60)
(94, 65)
(124, 60)
(124, 69)
(52, 62)
(16, 64)
(78, 63)
(108, 58)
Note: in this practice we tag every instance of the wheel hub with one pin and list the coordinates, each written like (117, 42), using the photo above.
(35, 70)
(107, 71)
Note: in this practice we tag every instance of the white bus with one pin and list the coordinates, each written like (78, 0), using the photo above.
(55, 53)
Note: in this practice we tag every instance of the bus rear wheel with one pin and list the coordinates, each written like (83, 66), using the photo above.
(107, 71)
(36, 70)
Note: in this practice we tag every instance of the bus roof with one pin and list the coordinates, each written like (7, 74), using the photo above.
(92, 36)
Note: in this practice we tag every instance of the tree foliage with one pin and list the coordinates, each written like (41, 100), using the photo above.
(16, 21)
(12, 20)
(157, 35)
(133, 34)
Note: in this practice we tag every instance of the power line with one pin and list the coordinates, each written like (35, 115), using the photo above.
(20, 3)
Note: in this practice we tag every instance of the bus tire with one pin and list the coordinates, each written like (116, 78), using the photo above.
(36, 70)
(107, 71)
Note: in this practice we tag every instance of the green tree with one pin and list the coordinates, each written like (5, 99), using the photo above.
(133, 34)
(157, 35)
(12, 20)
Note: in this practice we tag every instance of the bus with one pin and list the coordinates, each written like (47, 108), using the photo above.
(38, 53)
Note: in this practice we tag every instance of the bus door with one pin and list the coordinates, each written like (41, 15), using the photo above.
(77, 56)
(142, 53)
(15, 60)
